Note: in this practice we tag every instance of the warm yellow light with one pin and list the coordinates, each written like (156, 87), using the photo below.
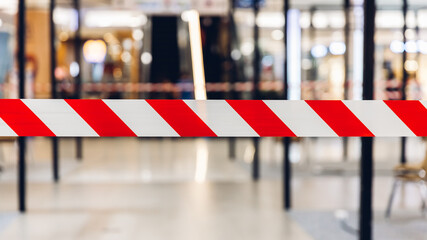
(63, 36)
(193, 18)
(411, 66)
(94, 51)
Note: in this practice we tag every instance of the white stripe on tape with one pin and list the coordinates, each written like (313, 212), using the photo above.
(5, 130)
(300, 118)
(59, 117)
(378, 118)
(221, 118)
(141, 118)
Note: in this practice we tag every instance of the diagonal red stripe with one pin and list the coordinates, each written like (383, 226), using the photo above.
(261, 118)
(336, 114)
(100, 117)
(21, 119)
(412, 113)
(181, 118)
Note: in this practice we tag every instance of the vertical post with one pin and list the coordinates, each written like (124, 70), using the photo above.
(232, 148)
(366, 163)
(77, 50)
(232, 140)
(346, 63)
(78, 81)
(347, 43)
(55, 150)
(417, 32)
(255, 163)
(21, 75)
(287, 175)
(257, 55)
(404, 76)
(256, 94)
(286, 141)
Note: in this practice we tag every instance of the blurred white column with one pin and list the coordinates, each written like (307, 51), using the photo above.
(193, 18)
(294, 55)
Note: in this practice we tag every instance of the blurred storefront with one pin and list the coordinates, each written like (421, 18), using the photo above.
(141, 49)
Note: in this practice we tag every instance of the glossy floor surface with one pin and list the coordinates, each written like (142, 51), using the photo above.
(127, 188)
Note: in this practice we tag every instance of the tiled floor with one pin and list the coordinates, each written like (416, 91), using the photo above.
(187, 188)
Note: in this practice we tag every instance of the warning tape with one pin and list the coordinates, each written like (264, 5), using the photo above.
(211, 118)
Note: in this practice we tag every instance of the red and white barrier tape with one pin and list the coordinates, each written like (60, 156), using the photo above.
(211, 118)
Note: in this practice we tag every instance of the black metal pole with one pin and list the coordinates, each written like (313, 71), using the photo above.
(77, 49)
(232, 148)
(55, 150)
(404, 77)
(417, 34)
(346, 64)
(22, 173)
(78, 80)
(256, 94)
(366, 163)
(233, 92)
(255, 163)
(286, 141)
(21, 74)
(347, 44)
(287, 175)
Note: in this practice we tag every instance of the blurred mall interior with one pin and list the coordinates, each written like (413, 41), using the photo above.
(205, 188)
